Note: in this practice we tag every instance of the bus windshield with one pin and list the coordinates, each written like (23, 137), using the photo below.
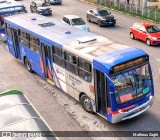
(132, 84)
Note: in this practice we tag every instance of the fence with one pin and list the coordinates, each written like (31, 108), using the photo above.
(135, 9)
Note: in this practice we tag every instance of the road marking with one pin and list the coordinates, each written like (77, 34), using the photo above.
(158, 59)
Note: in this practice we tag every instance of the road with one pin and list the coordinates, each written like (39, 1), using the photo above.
(53, 105)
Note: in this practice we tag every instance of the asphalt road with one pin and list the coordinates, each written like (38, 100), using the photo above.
(148, 121)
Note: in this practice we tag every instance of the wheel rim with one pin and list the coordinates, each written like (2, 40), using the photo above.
(132, 36)
(88, 19)
(87, 104)
(148, 42)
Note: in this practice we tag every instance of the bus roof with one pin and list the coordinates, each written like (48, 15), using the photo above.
(10, 4)
(17, 114)
(89, 45)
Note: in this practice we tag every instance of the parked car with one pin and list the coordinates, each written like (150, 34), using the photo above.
(40, 7)
(55, 1)
(145, 31)
(101, 16)
(75, 21)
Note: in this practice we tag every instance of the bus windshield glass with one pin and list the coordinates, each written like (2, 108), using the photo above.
(132, 84)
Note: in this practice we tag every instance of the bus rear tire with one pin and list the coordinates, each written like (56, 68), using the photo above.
(86, 103)
(28, 65)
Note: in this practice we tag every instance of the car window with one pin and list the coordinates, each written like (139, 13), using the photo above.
(45, 4)
(77, 21)
(39, 4)
(102, 13)
(137, 26)
(153, 29)
(67, 21)
(142, 28)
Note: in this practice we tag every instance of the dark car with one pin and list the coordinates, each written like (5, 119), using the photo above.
(40, 7)
(101, 16)
(147, 32)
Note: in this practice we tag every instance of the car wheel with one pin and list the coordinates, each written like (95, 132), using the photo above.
(148, 42)
(89, 20)
(28, 65)
(132, 36)
(31, 10)
(99, 23)
(86, 103)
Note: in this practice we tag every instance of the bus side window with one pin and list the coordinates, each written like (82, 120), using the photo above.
(58, 56)
(84, 70)
(23, 38)
(8, 29)
(71, 63)
(34, 44)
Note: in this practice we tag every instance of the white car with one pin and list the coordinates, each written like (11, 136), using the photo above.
(75, 21)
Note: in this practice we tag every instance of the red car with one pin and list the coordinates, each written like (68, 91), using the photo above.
(145, 31)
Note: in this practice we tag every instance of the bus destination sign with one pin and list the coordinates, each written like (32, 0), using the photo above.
(129, 64)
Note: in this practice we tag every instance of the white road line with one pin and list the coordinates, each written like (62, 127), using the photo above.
(158, 59)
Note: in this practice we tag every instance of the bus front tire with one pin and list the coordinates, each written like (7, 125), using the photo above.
(28, 65)
(86, 103)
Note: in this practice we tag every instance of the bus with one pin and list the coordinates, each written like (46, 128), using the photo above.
(20, 120)
(7, 8)
(108, 78)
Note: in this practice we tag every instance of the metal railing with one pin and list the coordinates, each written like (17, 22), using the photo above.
(151, 12)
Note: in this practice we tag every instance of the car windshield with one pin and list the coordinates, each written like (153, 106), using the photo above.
(153, 29)
(132, 84)
(103, 13)
(77, 21)
(42, 4)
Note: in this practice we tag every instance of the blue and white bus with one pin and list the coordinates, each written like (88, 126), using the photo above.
(8, 8)
(108, 78)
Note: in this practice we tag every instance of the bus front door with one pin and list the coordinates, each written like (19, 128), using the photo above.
(46, 60)
(100, 91)
(15, 40)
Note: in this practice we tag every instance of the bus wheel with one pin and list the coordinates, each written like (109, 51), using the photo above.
(86, 103)
(28, 65)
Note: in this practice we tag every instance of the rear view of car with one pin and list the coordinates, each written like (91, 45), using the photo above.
(55, 1)
(147, 32)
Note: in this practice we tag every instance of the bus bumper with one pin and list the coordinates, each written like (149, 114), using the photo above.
(132, 112)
